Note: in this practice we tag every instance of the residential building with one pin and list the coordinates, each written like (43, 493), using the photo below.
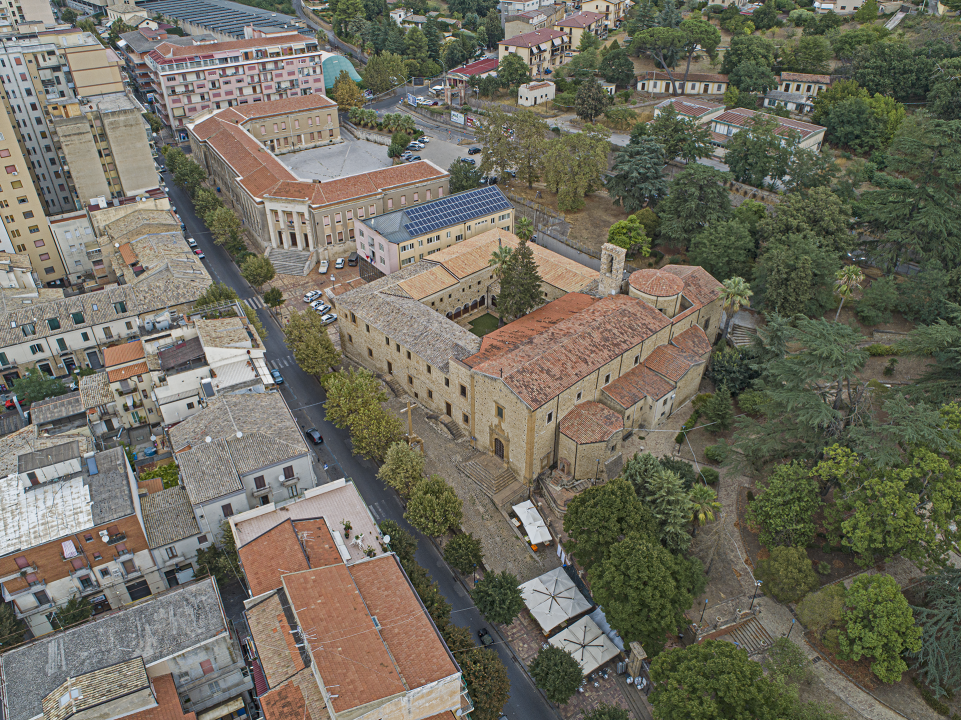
(106, 144)
(512, 388)
(480, 69)
(16, 13)
(133, 48)
(399, 14)
(400, 238)
(295, 214)
(132, 380)
(614, 11)
(51, 69)
(700, 111)
(391, 661)
(223, 19)
(25, 230)
(697, 83)
(173, 534)
(508, 8)
(535, 93)
(255, 455)
(61, 414)
(16, 271)
(71, 527)
(44, 329)
(579, 23)
(189, 80)
(172, 656)
(130, 15)
(100, 405)
(71, 232)
(540, 50)
(804, 84)
(793, 102)
(731, 121)
(841, 7)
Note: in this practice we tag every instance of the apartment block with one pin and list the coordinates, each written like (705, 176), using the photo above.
(189, 80)
(16, 13)
(224, 19)
(25, 229)
(308, 216)
(71, 231)
(540, 50)
(134, 46)
(51, 68)
(614, 11)
(172, 656)
(579, 23)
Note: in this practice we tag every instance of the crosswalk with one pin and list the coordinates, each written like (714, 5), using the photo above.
(377, 511)
(286, 361)
(254, 302)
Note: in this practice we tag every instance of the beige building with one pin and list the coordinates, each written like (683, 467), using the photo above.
(724, 126)
(700, 111)
(614, 11)
(535, 93)
(71, 232)
(15, 14)
(711, 84)
(579, 23)
(132, 380)
(514, 390)
(314, 218)
(540, 50)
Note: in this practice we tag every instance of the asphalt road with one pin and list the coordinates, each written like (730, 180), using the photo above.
(305, 396)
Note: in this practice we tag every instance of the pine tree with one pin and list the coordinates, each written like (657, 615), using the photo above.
(521, 289)
(345, 92)
(719, 410)
(12, 628)
(670, 505)
(939, 659)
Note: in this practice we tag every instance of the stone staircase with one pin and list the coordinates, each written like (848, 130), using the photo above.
(493, 478)
(741, 335)
(455, 429)
(749, 635)
(290, 262)
(395, 387)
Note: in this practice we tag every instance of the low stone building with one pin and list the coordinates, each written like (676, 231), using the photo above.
(535, 93)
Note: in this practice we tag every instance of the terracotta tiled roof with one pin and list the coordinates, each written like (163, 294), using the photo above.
(317, 542)
(128, 371)
(693, 340)
(656, 283)
(529, 40)
(679, 77)
(636, 384)
(128, 254)
(700, 287)
(591, 422)
(557, 358)
(297, 699)
(691, 107)
(744, 118)
(120, 354)
(580, 20)
(150, 485)
(314, 101)
(477, 68)
(516, 333)
(168, 702)
(671, 362)
(280, 658)
(806, 78)
(266, 558)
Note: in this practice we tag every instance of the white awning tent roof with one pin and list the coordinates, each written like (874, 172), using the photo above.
(534, 525)
(553, 598)
(587, 643)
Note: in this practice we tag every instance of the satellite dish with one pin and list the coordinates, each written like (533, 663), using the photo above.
(387, 539)
(116, 245)
(153, 438)
(208, 439)
(239, 434)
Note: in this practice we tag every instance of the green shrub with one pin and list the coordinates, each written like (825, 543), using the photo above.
(717, 453)
(820, 610)
(824, 567)
(928, 697)
(686, 427)
(681, 468)
(752, 401)
(787, 574)
(889, 368)
(879, 350)
(877, 302)
(710, 475)
(750, 496)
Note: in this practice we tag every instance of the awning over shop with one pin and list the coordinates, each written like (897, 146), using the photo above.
(534, 525)
(553, 598)
(587, 643)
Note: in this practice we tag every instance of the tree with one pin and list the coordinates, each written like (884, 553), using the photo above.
(766, 16)
(345, 92)
(220, 559)
(735, 368)
(847, 280)
(868, 12)
(499, 260)
(12, 629)
(760, 152)
(735, 294)
(638, 175)
(795, 276)
(36, 385)
(719, 410)
(524, 229)
(215, 294)
(156, 124)
(521, 289)
(487, 682)
(557, 673)
(373, 430)
(500, 152)
(498, 597)
(312, 347)
(944, 99)
(606, 712)
(820, 610)
(837, 92)
(938, 660)
(877, 301)
(664, 44)
(892, 69)
(787, 574)
(668, 500)
(384, 72)
(349, 16)
(530, 137)
(787, 663)
(274, 297)
(258, 270)
(403, 469)
(644, 589)
(879, 624)
(700, 36)
(617, 68)
(817, 211)
(68, 15)
(753, 77)
(809, 54)
(206, 201)
(785, 511)
(748, 48)
(697, 199)
(680, 136)
(711, 680)
(463, 176)
(725, 249)
(189, 175)
(601, 515)
(224, 225)
(852, 123)
(629, 234)
(434, 507)
(464, 553)
(703, 506)
(348, 393)
(512, 71)
(590, 100)
(76, 610)
(574, 165)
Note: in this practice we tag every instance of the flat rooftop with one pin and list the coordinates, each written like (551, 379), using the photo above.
(223, 16)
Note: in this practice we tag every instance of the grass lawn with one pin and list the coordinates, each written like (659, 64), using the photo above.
(483, 325)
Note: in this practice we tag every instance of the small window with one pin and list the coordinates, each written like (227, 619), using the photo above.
(88, 538)
(408, 354)
(463, 391)
(410, 380)
(190, 406)
(171, 552)
(370, 353)
(227, 510)
(120, 307)
(578, 398)
(466, 419)
(550, 417)
(77, 318)
(607, 378)
(500, 411)
(288, 472)
(446, 382)
(637, 359)
(202, 540)
(259, 482)
(98, 556)
(104, 572)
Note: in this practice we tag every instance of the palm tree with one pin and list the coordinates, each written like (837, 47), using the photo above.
(703, 505)
(736, 294)
(524, 228)
(847, 280)
(499, 259)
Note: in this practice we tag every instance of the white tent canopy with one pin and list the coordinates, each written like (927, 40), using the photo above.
(533, 523)
(587, 643)
(553, 598)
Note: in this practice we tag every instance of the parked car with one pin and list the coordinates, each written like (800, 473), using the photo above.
(314, 436)
(278, 378)
(352, 259)
(415, 158)
(321, 307)
(324, 267)
(191, 242)
(311, 296)
(406, 155)
(423, 139)
(474, 151)
(199, 253)
(339, 265)
(485, 637)
(469, 161)
(328, 319)
(415, 146)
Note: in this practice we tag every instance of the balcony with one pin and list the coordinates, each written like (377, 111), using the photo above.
(466, 704)
(114, 539)
(287, 482)
(261, 492)
(21, 614)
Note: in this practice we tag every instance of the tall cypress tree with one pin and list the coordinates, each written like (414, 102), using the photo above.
(521, 284)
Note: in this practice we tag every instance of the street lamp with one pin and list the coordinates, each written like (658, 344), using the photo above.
(792, 628)
(756, 586)
(703, 610)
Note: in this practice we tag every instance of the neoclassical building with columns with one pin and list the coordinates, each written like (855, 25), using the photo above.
(238, 147)
(558, 387)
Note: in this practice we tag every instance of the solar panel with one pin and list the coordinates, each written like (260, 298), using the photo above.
(454, 209)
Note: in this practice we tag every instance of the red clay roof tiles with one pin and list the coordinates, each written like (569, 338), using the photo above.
(693, 340)
(120, 354)
(656, 283)
(591, 422)
(636, 384)
(671, 362)
(269, 556)
(127, 371)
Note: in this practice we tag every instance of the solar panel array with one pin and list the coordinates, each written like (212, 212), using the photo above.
(455, 209)
(229, 18)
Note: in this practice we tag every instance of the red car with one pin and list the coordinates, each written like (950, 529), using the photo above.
(199, 253)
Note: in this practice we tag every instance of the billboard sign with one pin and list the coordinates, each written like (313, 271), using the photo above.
(456, 117)
(412, 99)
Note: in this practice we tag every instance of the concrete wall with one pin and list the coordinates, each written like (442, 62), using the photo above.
(126, 133)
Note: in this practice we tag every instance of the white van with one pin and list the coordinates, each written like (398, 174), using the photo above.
(437, 90)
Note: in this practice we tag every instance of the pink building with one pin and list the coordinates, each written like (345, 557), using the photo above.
(189, 80)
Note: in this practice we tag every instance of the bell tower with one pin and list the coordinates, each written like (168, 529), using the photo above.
(612, 269)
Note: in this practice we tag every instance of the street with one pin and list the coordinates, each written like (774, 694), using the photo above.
(305, 396)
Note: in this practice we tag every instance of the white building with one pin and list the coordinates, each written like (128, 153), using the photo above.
(535, 93)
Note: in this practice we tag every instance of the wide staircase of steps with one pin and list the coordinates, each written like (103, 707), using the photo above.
(741, 335)
(749, 635)
(455, 430)
(395, 387)
(291, 262)
(488, 472)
